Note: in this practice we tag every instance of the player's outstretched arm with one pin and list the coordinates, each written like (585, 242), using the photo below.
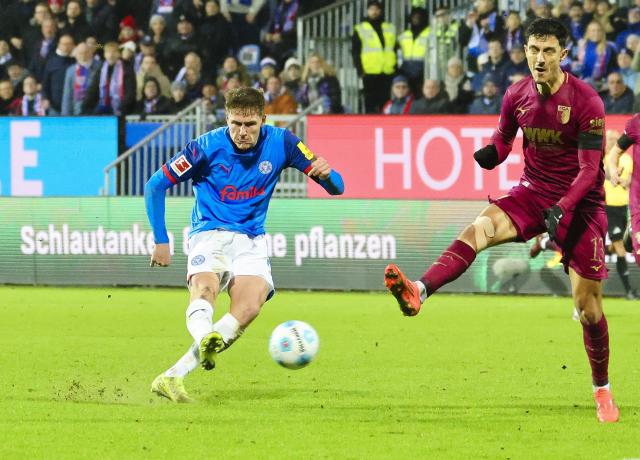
(329, 179)
(154, 193)
(496, 152)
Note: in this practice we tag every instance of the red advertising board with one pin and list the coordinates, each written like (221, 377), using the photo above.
(416, 156)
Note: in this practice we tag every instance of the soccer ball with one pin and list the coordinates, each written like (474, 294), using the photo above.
(293, 344)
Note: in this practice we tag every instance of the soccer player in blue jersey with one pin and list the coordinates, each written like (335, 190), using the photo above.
(234, 172)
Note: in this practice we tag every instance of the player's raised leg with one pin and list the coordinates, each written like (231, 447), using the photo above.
(248, 294)
(492, 227)
(587, 296)
(203, 289)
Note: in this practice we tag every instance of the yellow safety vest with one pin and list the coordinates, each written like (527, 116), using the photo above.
(414, 49)
(619, 196)
(375, 59)
(446, 36)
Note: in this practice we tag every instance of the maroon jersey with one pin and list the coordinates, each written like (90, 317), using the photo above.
(562, 141)
(632, 131)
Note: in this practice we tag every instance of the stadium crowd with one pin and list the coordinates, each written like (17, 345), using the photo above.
(84, 57)
(145, 57)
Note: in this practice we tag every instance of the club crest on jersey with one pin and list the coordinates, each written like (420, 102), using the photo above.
(180, 165)
(265, 167)
(563, 114)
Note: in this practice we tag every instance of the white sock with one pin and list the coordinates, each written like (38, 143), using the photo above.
(199, 316)
(543, 242)
(596, 388)
(186, 364)
(422, 289)
(229, 328)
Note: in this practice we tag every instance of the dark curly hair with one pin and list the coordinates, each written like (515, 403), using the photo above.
(548, 27)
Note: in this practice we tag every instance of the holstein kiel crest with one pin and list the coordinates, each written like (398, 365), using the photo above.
(563, 114)
(265, 167)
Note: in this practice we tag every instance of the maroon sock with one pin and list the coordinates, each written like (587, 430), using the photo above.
(596, 343)
(453, 262)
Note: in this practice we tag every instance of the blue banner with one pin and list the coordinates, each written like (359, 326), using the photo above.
(55, 156)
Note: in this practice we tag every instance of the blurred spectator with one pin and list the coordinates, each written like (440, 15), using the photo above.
(373, 46)
(150, 68)
(185, 41)
(632, 27)
(629, 76)
(159, 33)
(128, 52)
(433, 101)
(457, 84)
(447, 41)
(517, 65)
(128, 30)
(603, 15)
(147, 48)
(57, 12)
(33, 31)
(43, 47)
(193, 79)
(631, 43)
(278, 101)
(153, 102)
(589, 7)
(191, 61)
(101, 19)
(243, 17)
(292, 78)
(319, 81)
(514, 33)
(213, 37)
(232, 68)
(618, 98)
(75, 23)
(9, 104)
(414, 44)
(54, 74)
(577, 23)
(16, 74)
(489, 101)
(164, 9)
(32, 103)
(496, 66)
(596, 56)
(481, 23)
(178, 96)
(281, 37)
(401, 97)
(213, 100)
(5, 57)
(191, 8)
(267, 70)
(113, 89)
(77, 79)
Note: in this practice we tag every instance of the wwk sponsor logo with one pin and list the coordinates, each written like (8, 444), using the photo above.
(231, 193)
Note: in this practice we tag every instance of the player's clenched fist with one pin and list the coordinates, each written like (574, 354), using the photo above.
(161, 256)
(320, 168)
(487, 157)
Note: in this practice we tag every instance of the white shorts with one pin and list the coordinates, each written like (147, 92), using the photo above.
(229, 254)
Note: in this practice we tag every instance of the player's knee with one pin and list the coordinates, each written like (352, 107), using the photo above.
(588, 305)
(482, 231)
(247, 312)
(204, 287)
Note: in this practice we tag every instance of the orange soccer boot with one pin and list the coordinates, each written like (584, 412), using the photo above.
(403, 289)
(606, 408)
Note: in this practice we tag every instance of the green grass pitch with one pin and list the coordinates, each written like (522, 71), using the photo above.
(470, 377)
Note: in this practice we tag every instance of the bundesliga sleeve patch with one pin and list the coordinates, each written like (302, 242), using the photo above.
(180, 165)
(308, 154)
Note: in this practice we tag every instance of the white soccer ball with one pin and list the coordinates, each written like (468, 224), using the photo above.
(294, 344)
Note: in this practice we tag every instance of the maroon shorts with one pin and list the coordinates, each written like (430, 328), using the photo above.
(580, 235)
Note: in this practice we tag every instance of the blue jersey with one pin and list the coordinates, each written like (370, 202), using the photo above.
(232, 188)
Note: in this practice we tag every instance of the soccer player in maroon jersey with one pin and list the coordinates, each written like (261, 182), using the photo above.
(560, 192)
(631, 136)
